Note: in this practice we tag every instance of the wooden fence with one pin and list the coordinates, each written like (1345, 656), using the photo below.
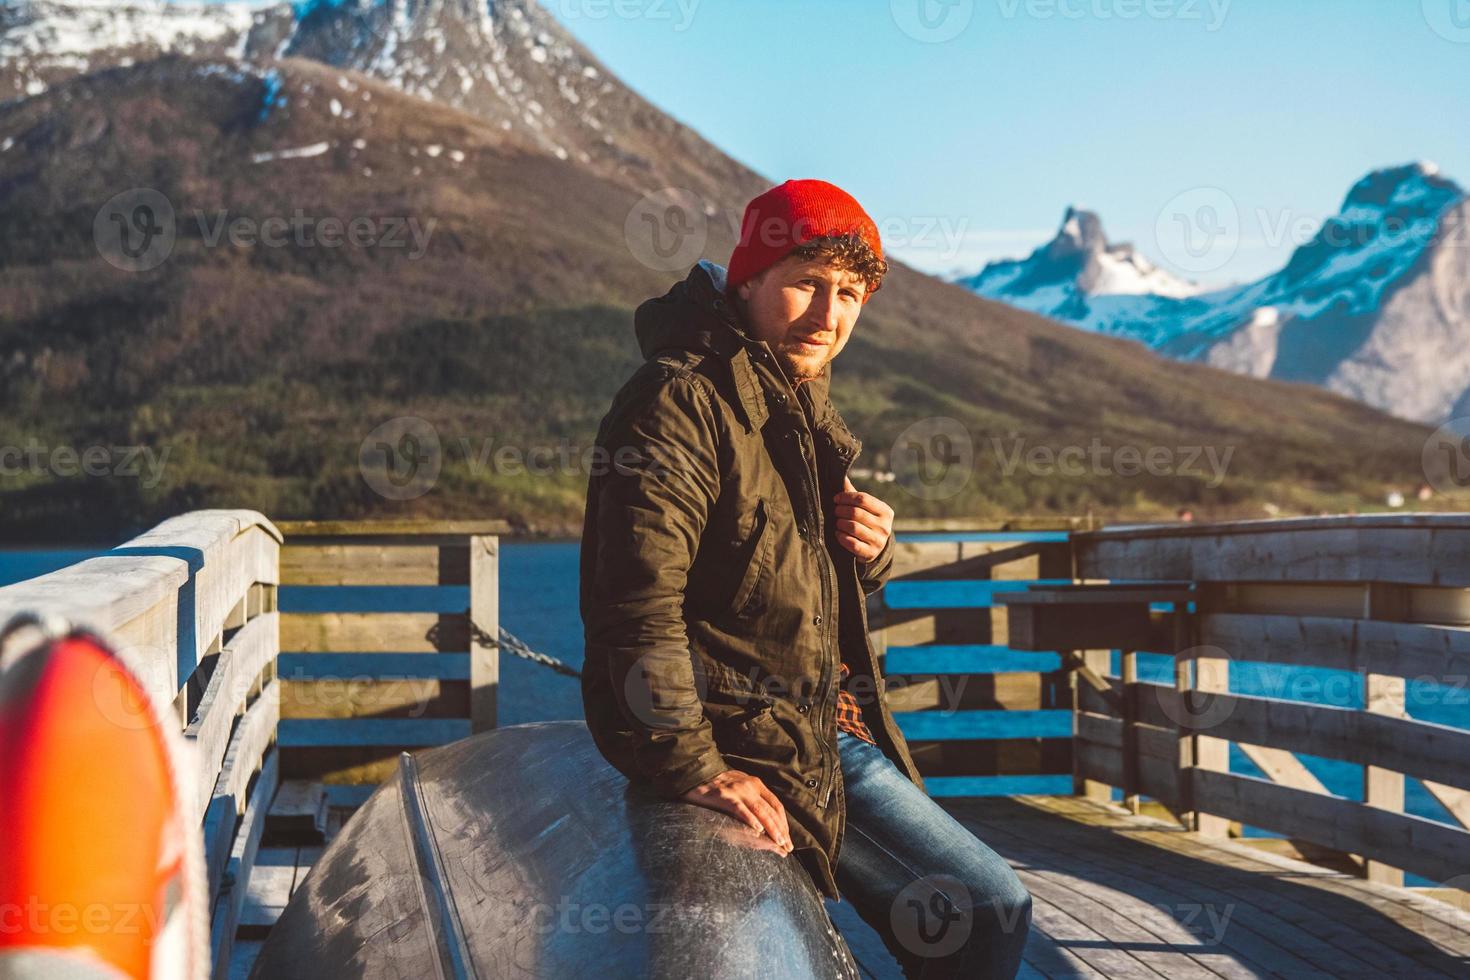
(1024, 702)
(1384, 598)
(362, 682)
(980, 717)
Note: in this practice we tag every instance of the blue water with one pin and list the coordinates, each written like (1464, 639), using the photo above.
(538, 603)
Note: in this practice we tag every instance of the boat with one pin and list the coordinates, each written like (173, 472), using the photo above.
(520, 852)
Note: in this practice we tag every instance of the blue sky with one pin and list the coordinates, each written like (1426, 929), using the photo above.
(968, 131)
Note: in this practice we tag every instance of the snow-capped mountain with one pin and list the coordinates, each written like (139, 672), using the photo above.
(506, 61)
(1080, 278)
(1376, 306)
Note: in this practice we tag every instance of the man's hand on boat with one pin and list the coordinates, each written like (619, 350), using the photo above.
(747, 799)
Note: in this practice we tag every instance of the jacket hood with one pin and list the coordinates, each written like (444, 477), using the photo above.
(695, 316)
(692, 315)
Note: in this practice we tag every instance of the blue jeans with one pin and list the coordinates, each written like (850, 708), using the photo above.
(945, 904)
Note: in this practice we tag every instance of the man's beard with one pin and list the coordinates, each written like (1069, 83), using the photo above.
(800, 373)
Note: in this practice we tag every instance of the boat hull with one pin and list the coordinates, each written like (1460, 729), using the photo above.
(521, 852)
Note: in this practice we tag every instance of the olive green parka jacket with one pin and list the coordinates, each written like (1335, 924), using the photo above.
(714, 596)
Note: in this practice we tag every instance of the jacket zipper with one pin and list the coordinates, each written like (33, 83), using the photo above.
(819, 533)
(832, 785)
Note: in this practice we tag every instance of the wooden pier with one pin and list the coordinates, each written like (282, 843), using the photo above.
(1117, 801)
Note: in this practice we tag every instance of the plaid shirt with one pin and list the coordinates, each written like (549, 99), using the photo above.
(849, 714)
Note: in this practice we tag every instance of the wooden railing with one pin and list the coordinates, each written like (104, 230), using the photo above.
(191, 605)
(360, 685)
(990, 703)
(1384, 598)
(980, 717)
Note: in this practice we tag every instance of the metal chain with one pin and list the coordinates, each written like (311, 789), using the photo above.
(511, 644)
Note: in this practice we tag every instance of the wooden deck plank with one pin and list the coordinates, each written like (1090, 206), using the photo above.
(1191, 938)
(1252, 932)
(1435, 920)
(1121, 925)
(1289, 918)
(1067, 932)
(1391, 943)
(1390, 923)
(1402, 906)
(1044, 958)
(1260, 950)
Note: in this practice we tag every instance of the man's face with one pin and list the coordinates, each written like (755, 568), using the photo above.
(805, 309)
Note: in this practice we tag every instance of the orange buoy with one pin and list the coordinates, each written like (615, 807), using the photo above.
(94, 869)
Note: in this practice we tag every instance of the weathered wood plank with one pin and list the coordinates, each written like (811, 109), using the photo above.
(1394, 918)
(359, 698)
(1384, 697)
(375, 564)
(972, 692)
(1155, 937)
(1091, 948)
(239, 672)
(343, 765)
(1281, 766)
(416, 529)
(1200, 753)
(1426, 549)
(484, 632)
(299, 811)
(242, 859)
(1412, 650)
(1457, 801)
(1418, 748)
(1265, 915)
(1424, 847)
(132, 598)
(923, 627)
(1099, 763)
(1077, 626)
(268, 891)
(369, 632)
(206, 560)
(249, 744)
(227, 551)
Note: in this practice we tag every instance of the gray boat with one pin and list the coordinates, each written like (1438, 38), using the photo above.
(521, 853)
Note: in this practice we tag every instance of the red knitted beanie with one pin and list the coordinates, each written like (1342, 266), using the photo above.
(790, 215)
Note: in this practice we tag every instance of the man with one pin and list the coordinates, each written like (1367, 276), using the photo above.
(726, 559)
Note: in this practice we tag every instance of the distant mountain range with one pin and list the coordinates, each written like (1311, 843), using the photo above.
(525, 173)
(1375, 307)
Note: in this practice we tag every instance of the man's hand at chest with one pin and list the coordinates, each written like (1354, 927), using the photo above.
(864, 523)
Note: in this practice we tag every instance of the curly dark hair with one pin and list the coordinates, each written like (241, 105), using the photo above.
(848, 253)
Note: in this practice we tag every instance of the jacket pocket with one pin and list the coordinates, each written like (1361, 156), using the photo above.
(757, 551)
(755, 738)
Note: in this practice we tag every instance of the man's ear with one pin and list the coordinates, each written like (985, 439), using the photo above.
(744, 290)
